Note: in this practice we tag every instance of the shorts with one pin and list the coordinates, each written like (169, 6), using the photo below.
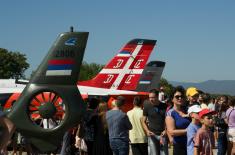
(231, 135)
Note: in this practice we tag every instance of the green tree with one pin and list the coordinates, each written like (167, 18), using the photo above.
(12, 64)
(168, 87)
(88, 71)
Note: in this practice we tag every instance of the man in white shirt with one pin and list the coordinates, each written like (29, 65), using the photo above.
(161, 96)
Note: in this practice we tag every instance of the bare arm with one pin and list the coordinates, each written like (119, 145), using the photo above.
(8, 128)
(170, 137)
(79, 136)
(144, 125)
(195, 151)
(197, 144)
(170, 125)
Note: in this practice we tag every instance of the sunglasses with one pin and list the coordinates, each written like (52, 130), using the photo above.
(178, 96)
(209, 117)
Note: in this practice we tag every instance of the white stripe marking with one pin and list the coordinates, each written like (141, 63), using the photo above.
(58, 72)
(144, 82)
(123, 55)
(126, 69)
(117, 71)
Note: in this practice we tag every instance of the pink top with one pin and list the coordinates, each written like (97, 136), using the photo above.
(230, 114)
(204, 141)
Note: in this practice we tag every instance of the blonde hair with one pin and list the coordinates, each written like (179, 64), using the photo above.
(102, 109)
(114, 103)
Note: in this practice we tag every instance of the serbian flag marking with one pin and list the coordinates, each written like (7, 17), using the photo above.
(59, 67)
(124, 53)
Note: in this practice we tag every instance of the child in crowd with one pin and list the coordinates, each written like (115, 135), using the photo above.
(193, 112)
(204, 140)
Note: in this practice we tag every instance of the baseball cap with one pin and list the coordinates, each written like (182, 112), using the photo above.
(206, 112)
(194, 108)
(191, 91)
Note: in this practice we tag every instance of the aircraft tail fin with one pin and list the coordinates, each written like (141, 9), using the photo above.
(125, 69)
(62, 59)
(151, 76)
(52, 94)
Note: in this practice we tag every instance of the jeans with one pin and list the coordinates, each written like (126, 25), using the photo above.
(179, 149)
(119, 146)
(139, 148)
(66, 148)
(222, 144)
(154, 146)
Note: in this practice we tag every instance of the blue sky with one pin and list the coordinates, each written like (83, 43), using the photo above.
(194, 38)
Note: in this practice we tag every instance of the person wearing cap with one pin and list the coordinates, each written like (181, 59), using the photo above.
(192, 94)
(193, 112)
(204, 140)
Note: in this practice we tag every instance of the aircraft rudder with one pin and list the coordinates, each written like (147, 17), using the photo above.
(65, 54)
(125, 67)
(151, 76)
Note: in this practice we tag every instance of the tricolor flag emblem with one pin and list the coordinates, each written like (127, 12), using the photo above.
(61, 67)
(124, 53)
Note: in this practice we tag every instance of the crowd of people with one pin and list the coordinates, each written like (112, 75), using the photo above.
(190, 122)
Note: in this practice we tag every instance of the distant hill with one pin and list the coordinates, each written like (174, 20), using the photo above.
(211, 86)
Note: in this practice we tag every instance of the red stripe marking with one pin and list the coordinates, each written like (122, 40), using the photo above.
(61, 62)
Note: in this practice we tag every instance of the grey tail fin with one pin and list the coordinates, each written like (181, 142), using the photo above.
(151, 76)
(52, 93)
(61, 61)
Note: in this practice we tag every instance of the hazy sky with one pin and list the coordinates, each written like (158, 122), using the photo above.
(194, 38)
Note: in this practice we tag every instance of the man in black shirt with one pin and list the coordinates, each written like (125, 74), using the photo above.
(153, 122)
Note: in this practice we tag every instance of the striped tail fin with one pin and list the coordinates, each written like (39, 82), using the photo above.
(124, 70)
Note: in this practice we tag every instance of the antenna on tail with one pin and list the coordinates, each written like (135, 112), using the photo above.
(71, 28)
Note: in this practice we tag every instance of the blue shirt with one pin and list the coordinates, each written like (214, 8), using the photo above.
(191, 132)
(118, 125)
(1, 113)
(180, 123)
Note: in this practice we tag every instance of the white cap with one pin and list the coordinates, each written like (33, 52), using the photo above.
(194, 108)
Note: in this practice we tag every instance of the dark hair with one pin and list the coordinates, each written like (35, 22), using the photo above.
(120, 101)
(137, 101)
(225, 97)
(155, 91)
(224, 106)
(206, 98)
(200, 91)
(232, 102)
(177, 89)
(93, 103)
